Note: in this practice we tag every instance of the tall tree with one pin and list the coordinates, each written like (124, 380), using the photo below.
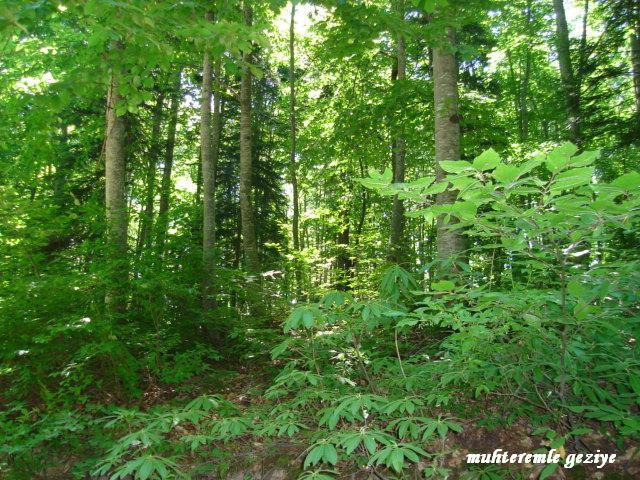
(216, 127)
(635, 58)
(295, 221)
(569, 84)
(153, 155)
(249, 243)
(167, 167)
(208, 192)
(450, 242)
(396, 253)
(115, 197)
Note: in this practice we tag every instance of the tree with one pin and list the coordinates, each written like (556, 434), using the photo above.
(293, 165)
(249, 243)
(208, 185)
(115, 198)
(396, 246)
(451, 243)
(167, 167)
(571, 89)
(153, 155)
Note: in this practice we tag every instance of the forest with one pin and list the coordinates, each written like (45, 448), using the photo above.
(319, 239)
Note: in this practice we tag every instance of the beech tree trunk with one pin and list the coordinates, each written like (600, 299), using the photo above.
(165, 184)
(146, 216)
(208, 215)
(397, 247)
(116, 202)
(450, 243)
(570, 86)
(249, 243)
(295, 226)
(635, 62)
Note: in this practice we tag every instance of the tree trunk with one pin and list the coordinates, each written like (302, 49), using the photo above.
(397, 247)
(295, 226)
(165, 185)
(146, 216)
(635, 62)
(208, 215)
(524, 90)
(572, 94)
(249, 243)
(450, 243)
(116, 202)
(344, 263)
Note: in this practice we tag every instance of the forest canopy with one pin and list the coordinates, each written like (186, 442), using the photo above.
(319, 239)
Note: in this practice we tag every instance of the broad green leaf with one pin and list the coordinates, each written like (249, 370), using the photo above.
(330, 455)
(487, 160)
(628, 181)
(455, 166)
(506, 173)
(560, 157)
(573, 178)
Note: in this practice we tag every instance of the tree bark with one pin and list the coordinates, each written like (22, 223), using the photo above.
(397, 246)
(295, 221)
(165, 184)
(344, 263)
(635, 61)
(208, 215)
(116, 202)
(450, 242)
(146, 216)
(571, 90)
(524, 90)
(249, 243)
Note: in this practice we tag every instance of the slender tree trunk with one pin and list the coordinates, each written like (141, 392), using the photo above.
(344, 263)
(364, 200)
(397, 245)
(146, 217)
(635, 61)
(208, 215)
(517, 97)
(249, 243)
(572, 94)
(295, 221)
(116, 202)
(524, 91)
(450, 243)
(165, 184)
(63, 169)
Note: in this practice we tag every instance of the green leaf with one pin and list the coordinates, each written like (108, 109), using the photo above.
(370, 444)
(146, 469)
(634, 381)
(573, 178)
(487, 160)
(307, 318)
(506, 173)
(548, 471)
(443, 286)
(628, 181)
(585, 158)
(560, 157)
(455, 166)
(330, 455)
(442, 429)
(397, 460)
(314, 455)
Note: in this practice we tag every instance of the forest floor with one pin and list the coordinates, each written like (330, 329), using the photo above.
(256, 458)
